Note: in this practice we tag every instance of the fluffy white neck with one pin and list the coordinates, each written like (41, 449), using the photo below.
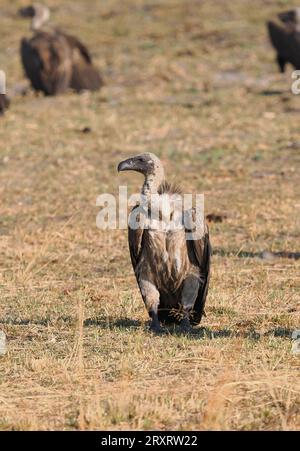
(152, 181)
(42, 15)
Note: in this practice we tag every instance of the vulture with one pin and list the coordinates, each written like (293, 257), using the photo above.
(53, 60)
(285, 38)
(4, 102)
(171, 270)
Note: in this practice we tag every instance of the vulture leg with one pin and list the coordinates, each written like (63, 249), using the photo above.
(189, 295)
(150, 296)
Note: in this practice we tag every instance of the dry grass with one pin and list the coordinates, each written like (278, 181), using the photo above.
(194, 82)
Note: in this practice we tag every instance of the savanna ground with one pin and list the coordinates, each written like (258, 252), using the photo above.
(194, 82)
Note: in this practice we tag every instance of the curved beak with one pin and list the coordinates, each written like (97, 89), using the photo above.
(126, 165)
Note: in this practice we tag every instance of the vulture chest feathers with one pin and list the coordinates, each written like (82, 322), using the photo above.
(163, 255)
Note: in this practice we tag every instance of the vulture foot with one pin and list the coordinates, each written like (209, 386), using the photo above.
(155, 323)
(155, 326)
(185, 325)
(156, 329)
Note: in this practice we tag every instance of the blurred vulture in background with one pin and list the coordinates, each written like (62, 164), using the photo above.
(172, 270)
(53, 60)
(285, 38)
(4, 102)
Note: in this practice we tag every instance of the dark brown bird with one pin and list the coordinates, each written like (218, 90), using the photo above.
(55, 61)
(172, 271)
(285, 38)
(4, 102)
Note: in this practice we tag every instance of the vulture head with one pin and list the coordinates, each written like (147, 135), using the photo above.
(291, 18)
(39, 14)
(150, 166)
(146, 163)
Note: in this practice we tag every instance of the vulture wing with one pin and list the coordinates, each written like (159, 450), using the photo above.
(47, 62)
(32, 64)
(135, 239)
(4, 102)
(84, 74)
(199, 251)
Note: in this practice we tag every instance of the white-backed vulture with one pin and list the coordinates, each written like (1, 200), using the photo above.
(285, 38)
(53, 60)
(4, 102)
(172, 271)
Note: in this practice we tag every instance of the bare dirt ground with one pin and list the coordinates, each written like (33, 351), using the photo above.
(194, 82)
